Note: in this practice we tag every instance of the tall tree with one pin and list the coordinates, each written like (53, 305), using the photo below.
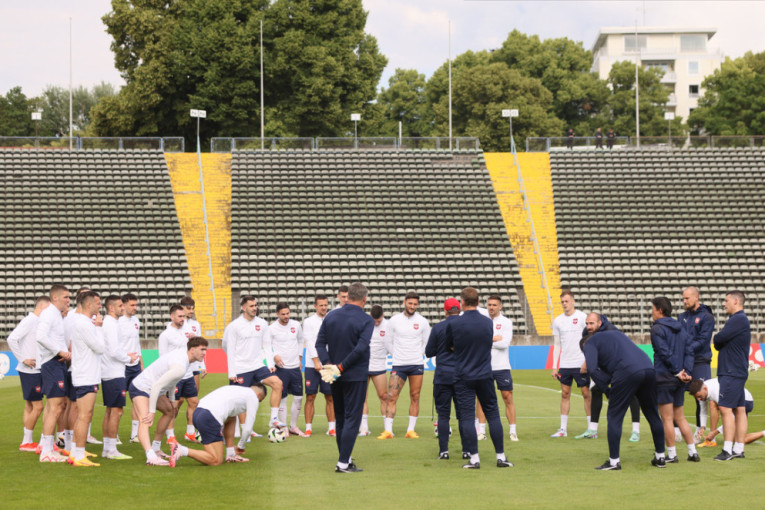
(54, 103)
(734, 100)
(16, 114)
(404, 101)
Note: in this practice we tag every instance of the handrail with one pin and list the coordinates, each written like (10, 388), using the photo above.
(530, 220)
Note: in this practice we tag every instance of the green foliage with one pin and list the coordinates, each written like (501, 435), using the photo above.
(54, 103)
(404, 101)
(734, 101)
(16, 114)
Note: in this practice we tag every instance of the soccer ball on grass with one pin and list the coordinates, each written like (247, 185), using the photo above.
(276, 435)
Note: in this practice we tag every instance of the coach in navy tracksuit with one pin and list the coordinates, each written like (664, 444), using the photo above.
(622, 370)
(343, 340)
(443, 380)
(471, 336)
(733, 343)
(673, 362)
(699, 323)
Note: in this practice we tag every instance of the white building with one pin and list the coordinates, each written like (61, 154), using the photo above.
(683, 54)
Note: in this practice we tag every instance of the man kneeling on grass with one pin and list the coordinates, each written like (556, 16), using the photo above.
(216, 413)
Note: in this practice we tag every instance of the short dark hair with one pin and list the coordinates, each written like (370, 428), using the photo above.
(86, 297)
(246, 299)
(80, 291)
(739, 295)
(469, 296)
(174, 308)
(187, 301)
(495, 297)
(343, 288)
(281, 306)
(57, 288)
(111, 298)
(42, 299)
(376, 312)
(663, 305)
(695, 386)
(261, 387)
(129, 296)
(567, 292)
(412, 295)
(320, 297)
(196, 341)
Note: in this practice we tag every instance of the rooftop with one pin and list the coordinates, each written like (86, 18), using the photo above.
(606, 31)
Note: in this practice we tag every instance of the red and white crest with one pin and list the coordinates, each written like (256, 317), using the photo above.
(176, 389)
(308, 383)
(698, 319)
(240, 380)
(575, 320)
(61, 384)
(292, 330)
(499, 326)
(124, 393)
(257, 327)
(136, 327)
(95, 387)
(38, 389)
(194, 329)
(382, 332)
(416, 326)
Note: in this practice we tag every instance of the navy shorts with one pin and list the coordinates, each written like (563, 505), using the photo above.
(81, 391)
(250, 378)
(131, 372)
(196, 372)
(702, 371)
(504, 379)
(292, 381)
(186, 388)
(135, 392)
(53, 374)
(404, 371)
(31, 386)
(671, 392)
(567, 376)
(377, 372)
(314, 383)
(732, 392)
(208, 427)
(71, 390)
(749, 406)
(114, 391)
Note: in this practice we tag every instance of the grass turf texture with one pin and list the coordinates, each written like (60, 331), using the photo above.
(397, 473)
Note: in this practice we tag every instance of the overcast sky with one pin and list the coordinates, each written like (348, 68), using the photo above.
(34, 37)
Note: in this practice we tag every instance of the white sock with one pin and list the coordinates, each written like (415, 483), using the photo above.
(134, 429)
(588, 421)
(636, 426)
(738, 447)
(283, 410)
(593, 426)
(614, 461)
(108, 446)
(274, 414)
(151, 454)
(501, 456)
(342, 465)
(308, 426)
(190, 429)
(332, 425)
(720, 429)
(728, 446)
(691, 448)
(156, 445)
(677, 431)
(183, 450)
(564, 421)
(412, 423)
(474, 458)
(68, 440)
(671, 451)
(89, 434)
(47, 444)
(237, 428)
(230, 451)
(482, 428)
(512, 428)
(295, 410)
(388, 422)
(27, 436)
(78, 453)
(365, 421)
(170, 432)
(658, 455)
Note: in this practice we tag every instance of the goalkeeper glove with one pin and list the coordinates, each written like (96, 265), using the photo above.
(330, 373)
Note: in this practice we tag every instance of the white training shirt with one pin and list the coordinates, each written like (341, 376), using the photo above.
(311, 325)
(568, 328)
(87, 347)
(171, 339)
(192, 328)
(713, 394)
(50, 335)
(409, 334)
(287, 342)
(114, 358)
(483, 311)
(161, 376)
(379, 347)
(23, 343)
(247, 345)
(228, 401)
(130, 335)
(500, 357)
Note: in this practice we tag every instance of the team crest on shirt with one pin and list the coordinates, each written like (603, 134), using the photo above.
(499, 326)
(38, 389)
(136, 327)
(416, 326)
(257, 327)
(575, 321)
(240, 380)
(698, 319)
(292, 330)
(176, 389)
(189, 335)
(308, 383)
(382, 333)
(124, 393)
(61, 384)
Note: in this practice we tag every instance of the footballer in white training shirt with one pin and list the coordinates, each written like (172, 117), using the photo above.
(500, 365)
(130, 336)
(707, 393)
(215, 417)
(192, 328)
(154, 389)
(313, 380)
(379, 348)
(23, 344)
(409, 333)
(568, 360)
(287, 342)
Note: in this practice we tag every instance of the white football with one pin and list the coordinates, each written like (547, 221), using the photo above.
(276, 435)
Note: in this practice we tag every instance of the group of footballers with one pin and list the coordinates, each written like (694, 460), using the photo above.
(65, 354)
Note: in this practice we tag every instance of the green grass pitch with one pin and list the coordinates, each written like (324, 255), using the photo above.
(398, 473)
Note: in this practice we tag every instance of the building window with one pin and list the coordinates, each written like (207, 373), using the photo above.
(693, 67)
(629, 43)
(693, 91)
(694, 43)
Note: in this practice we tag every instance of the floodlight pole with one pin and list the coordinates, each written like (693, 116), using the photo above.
(510, 114)
(70, 84)
(450, 84)
(355, 117)
(262, 131)
(637, 87)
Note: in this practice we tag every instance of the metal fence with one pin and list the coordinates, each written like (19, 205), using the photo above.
(560, 143)
(362, 142)
(231, 144)
(164, 144)
(226, 144)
